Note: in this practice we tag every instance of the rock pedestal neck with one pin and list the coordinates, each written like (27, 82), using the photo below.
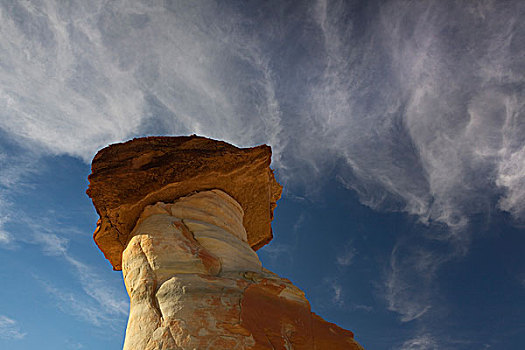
(198, 210)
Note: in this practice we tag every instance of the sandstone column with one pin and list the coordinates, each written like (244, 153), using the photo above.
(182, 218)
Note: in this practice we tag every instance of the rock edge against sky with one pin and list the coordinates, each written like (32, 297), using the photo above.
(182, 216)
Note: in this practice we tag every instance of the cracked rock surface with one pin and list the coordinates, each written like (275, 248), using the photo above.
(127, 177)
(182, 218)
(195, 283)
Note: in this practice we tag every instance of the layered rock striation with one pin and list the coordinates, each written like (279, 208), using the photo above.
(189, 264)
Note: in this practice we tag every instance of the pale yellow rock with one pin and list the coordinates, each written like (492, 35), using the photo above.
(127, 177)
(182, 270)
(195, 283)
(182, 218)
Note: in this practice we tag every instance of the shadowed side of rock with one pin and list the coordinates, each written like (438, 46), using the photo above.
(127, 177)
(182, 217)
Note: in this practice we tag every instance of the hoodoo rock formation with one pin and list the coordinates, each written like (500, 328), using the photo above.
(182, 218)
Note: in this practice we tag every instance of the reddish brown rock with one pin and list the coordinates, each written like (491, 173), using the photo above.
(195, 283)
(182, 218)
(280, 322)
(126, 177)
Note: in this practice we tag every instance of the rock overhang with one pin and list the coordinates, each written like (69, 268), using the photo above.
(127, 177)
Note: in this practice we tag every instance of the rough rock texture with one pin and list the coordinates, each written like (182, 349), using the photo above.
(127, 177)
(182, 217)
(195, 283)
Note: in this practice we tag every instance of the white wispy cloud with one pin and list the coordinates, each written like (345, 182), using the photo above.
(16, 165)
(407, 287)
(435, 134)
(86, 84)
(9, 328)
(335, 290)
(275, 251)
(5, 238)
(512, 180)
(96, 301)
(346, 257)
(92, 285)
(99, 302)
(97, 289)
(78, 305)
(74, 345)
(420, 342)
(51, 243)
(97, 305)
(424, 339)
(410, 114)
(422, 125)
(441, 137)
(362, 307)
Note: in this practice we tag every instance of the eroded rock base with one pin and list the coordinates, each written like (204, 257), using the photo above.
(195, 283)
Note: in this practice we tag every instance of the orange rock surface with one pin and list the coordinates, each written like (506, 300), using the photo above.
(279, 322)
(188, 253)
(126, 177)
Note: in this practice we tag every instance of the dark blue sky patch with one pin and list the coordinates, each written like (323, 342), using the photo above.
(397, 129)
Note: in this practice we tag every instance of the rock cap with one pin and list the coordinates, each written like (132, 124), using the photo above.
(127, 177)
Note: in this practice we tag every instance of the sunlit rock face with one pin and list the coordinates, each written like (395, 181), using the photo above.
(182, 218)
(195, 283)
(127, 177)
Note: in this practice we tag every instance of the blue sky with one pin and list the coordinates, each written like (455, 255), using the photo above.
(398, 131)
